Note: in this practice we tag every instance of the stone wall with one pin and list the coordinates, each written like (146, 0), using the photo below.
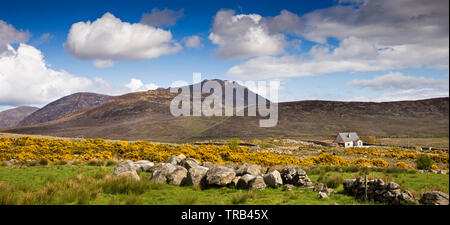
(378, 191)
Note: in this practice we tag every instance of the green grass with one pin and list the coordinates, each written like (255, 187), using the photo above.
(87, 184)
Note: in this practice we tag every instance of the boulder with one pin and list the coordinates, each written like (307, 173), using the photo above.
(320, 187)
(323, 195)
(257, 183)
(160, 172)
(162, 166)
(177, 176)
(273, 179)
(143, 165)
(244, 181)
(130, 174)
(220, 176)
(235, 181)
(189, 163)
(393, 186)
(288, 174)
(208, 164)
(301, 172)
(172, 160)
(124, 166)
(159, 177)
(196, 176)
(434, 198)
(248, 168)
(176, 160)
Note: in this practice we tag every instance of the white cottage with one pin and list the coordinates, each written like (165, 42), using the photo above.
(349, 140)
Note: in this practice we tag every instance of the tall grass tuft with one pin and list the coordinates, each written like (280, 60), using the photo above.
(239, 198)
(124, 185)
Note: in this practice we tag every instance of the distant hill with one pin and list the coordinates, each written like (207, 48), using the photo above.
(64, 106)
(11, 117)
(146, 116)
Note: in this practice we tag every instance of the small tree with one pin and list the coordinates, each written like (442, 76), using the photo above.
(424, 162)
(233, 144)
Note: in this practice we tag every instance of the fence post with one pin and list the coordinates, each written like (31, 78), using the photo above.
(365, 187)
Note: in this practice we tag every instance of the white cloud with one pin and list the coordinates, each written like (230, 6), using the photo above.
(243, 36)
(138, 85)
(192, 42)
(396, 80)
(45, 37)
(26, 79)
(413, 94)
(103, 63)
(409, 34)
(108, 38)
(9, 34)
(158, 17)
(395, 86)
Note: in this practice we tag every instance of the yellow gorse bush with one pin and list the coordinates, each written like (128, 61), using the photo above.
(27, 148)
(398, 153)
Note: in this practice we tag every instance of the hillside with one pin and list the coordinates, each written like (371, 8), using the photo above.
(64, 106)
(146, 116)
(12, 117)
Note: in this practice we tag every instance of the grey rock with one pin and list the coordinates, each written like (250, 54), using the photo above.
(143, 165)
(130, 174)
(393, 186)
(208, 164)
(257, 183)
(244, 181)
(124, 166)
(196, 176)
(235, 181)
(160, 172)
(323, 195)
(220, 176)
(273, 179)
(434, 198)
(320, 187)
(159, 177)
(189, 163)
(251, 169)
(176, 160)
(167, 167)
(177, 176)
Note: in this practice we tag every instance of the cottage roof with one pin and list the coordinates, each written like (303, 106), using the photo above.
(346, 137)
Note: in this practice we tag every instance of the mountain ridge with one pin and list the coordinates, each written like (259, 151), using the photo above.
(146, 116)
(11, 117)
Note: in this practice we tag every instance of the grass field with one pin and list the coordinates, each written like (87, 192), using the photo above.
(92, 184)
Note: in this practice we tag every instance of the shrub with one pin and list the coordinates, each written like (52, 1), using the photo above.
(111, 163)
(332, 181)
(43, 162)
(233, 144)
(424, 162)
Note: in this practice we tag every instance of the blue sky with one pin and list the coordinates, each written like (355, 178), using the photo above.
(317, 49)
